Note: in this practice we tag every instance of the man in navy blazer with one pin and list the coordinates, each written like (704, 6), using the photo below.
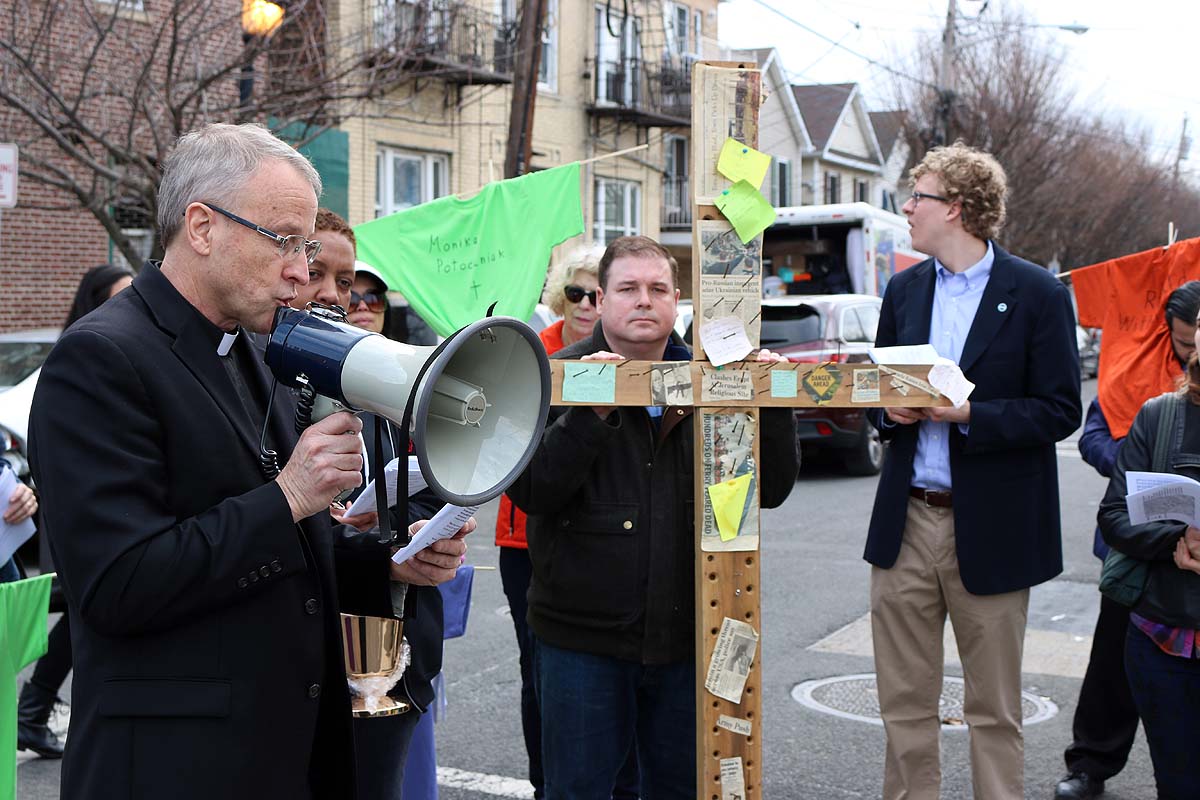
(966, 516)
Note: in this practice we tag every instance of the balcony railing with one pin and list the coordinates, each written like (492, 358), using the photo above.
(676, 203)
(450, 39)
(643, 91)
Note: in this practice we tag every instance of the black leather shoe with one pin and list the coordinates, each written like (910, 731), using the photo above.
(33, 714)
(1078, 786)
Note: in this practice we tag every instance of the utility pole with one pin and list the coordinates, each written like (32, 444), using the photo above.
(525, 74)
(1185, 144)
(945, 88)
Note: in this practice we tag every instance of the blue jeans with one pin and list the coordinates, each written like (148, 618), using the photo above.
(596, 709)
(1166, 691)
(9, 571)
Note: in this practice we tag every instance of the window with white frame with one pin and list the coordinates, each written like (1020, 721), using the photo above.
(125, 5)
(678, 27)
(618, 49)
(833, 187)
(781, 182)
(405, 178)
(862, 191)
(697, 33)
(548, 64)
(618, 209)
(676, 197)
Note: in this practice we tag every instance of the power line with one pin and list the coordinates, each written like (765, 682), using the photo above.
(841, 46)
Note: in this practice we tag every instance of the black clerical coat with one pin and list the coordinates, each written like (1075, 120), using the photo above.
(204, 621)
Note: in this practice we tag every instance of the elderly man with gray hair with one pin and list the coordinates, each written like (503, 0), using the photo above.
(203, 588)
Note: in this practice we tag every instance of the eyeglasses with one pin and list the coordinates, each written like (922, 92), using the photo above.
(575, 294)
(289, 246)
(919, 196)
(375, 301)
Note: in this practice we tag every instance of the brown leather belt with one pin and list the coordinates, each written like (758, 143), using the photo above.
(939, 499)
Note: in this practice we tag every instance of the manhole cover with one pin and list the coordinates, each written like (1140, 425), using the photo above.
(855, 697)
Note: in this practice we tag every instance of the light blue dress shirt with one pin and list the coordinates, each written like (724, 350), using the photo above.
(956, 298)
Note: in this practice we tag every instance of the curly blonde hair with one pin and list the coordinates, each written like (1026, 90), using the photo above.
(972, 177)
(585, 258)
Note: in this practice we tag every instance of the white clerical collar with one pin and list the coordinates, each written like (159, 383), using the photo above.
(227, 340)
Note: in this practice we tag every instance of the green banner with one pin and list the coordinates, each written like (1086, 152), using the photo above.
(23, 609)
(453, 258)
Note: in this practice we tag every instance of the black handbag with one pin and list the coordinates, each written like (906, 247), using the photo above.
(1123, 578)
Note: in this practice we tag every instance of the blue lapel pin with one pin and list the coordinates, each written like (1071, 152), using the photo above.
(1002, 307)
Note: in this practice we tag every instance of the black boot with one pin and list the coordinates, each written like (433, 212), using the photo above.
(33, 712)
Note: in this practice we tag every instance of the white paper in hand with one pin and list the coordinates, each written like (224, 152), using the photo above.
(365, 502)
(948, 379)
(904, 354)
(724, 340)
(444, 524)
(11, 536)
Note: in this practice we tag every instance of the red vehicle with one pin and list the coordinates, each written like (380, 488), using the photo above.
(814, 329)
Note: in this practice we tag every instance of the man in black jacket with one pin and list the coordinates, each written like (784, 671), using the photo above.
(204, 593)
(612, 541)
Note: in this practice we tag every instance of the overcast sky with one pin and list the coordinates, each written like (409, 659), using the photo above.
(1139, 59)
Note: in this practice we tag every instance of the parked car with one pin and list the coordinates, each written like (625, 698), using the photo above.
(814, 329)
(21, 352)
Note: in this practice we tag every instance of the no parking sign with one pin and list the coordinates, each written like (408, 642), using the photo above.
(8, 175)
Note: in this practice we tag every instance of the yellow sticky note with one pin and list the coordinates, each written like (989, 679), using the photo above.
(747, 209)
(728, 500)
(742, 162)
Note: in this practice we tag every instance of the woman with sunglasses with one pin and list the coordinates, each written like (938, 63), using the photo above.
(570, 293)
(368, 307)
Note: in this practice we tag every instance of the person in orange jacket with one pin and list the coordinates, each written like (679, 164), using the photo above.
(570, 293)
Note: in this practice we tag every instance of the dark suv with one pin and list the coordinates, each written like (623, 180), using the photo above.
(814, 329)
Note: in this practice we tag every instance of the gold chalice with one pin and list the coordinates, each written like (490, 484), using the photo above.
(376, 655)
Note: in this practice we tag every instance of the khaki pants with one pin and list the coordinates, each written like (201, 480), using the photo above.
(909, 604)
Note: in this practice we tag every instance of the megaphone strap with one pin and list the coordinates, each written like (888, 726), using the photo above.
(381, 505)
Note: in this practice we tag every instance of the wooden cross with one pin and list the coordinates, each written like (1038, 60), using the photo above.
(727, 281)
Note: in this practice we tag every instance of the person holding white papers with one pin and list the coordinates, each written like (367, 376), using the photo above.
(381, 744)
(21, 506)
(1162, 643)
(966, 515)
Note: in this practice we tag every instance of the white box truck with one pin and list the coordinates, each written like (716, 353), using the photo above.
(835, 249)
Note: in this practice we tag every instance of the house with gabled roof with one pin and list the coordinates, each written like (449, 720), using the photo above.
(847, 162)
(892, 190)
(781, 130)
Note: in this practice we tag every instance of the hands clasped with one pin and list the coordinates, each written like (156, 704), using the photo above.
(326, 461)
(907, 416)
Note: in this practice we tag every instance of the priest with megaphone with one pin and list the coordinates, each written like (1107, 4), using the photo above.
(189, 522)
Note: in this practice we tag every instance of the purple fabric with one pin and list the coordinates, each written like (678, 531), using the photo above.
(1179, 642)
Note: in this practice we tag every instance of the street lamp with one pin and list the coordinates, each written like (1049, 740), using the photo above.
(260, 18)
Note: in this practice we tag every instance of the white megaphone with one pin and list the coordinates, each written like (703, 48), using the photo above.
(481, 397)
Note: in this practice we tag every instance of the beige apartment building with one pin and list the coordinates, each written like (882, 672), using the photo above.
(607, 82)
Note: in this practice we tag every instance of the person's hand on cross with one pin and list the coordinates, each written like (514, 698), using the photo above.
(603, 355)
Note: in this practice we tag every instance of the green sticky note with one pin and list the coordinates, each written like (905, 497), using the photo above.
(728, 500)
(747, 209)
(783, 383)
(742, 162)
(589, 383)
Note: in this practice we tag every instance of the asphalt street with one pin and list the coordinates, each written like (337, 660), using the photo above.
(815, 601)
